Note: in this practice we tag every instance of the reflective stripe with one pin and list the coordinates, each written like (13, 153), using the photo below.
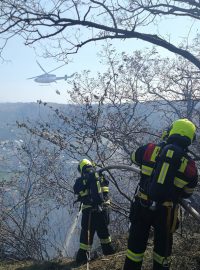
(133, 157)
(142, 195)
(96, 175)
(85, 206)
(168, 204)
(145, 197)
(105, 189)
(85, 247)
(146, 170)
(136, 257)
(170, 153)
(159, 259)
(173, 228)
(163, 173)
(105, 240)
(178, 182)
(184, 162)
(83, 193)
(188, 190)
(155, 153)
(99, 187)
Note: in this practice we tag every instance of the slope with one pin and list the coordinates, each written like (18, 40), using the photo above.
(186, 254)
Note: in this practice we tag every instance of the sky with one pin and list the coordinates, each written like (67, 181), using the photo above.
(22, 64)
(15, 87)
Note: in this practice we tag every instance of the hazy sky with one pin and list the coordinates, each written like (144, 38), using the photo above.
(22, 65)
(16, 88)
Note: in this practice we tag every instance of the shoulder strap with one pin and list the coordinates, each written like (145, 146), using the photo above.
(149, 151)
(191, 169)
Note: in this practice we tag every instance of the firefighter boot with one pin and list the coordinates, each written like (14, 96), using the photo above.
(107, 249)
(81, 257)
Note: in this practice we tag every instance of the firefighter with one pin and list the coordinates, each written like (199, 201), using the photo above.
(168, 174)
(92, 190)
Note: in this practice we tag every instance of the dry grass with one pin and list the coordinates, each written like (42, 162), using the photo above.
(186, 255)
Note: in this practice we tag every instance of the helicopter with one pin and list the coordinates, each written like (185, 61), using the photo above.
(47, 77)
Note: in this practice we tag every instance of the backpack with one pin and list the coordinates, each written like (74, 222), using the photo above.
(93, 185)
(161, 185)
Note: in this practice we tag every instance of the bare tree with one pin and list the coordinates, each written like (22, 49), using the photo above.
(32, 199)
(174, 84)
(184, 8)
(108, 117)
(73, 24)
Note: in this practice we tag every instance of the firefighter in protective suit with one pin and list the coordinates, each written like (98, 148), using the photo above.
(92, 190)
(168, 174)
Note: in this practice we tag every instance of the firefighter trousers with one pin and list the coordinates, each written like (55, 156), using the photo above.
(94, 220)
(142, 219)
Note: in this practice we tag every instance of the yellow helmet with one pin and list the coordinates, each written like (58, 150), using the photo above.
(184, 128)
(83, 163)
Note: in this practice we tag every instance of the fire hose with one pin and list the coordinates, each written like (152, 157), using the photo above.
(184, 203)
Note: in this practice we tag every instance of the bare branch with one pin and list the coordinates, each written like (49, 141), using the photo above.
(105, 20)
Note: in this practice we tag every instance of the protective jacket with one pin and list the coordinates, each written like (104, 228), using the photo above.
(164, 167)
(173, 169)
(92, 189)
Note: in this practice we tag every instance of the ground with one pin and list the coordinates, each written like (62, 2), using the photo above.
(186, 255)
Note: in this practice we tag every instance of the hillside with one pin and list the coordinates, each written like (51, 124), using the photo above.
(186, 254)
(12, 112)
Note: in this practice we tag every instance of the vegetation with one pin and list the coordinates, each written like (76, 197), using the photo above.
(64, 22)
(185, 254)
(109, 115)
